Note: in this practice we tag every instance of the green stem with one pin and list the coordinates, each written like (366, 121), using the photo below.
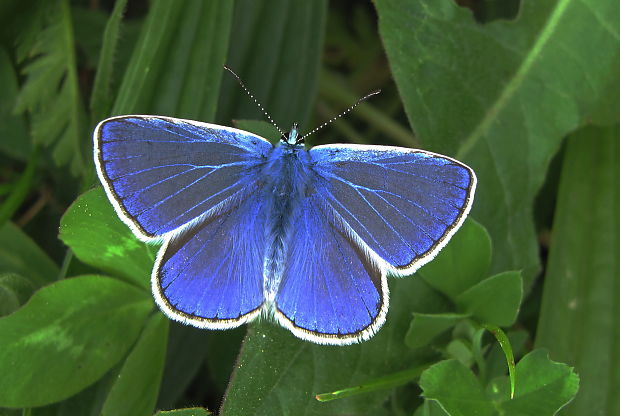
(507, 348)
(382, 383)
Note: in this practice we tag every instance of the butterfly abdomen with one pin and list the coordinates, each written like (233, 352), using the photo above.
(289, 178)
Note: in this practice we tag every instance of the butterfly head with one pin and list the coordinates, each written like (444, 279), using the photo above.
(293, 136)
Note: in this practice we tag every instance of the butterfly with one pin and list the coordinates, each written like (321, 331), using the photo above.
(304, 236)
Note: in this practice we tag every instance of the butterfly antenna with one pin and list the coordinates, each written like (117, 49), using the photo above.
(255, 100)
(348, 110)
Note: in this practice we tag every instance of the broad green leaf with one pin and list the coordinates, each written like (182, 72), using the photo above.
(98, 237)
(186, 350)
(280, 374)
(14, 139)
(135, 391)
(87, 402)
(177, 64)
(19, 254)
(455, 388)
(222, 355)
(51, 93)
(579, 313)
(424, 327)
(15, 290)
(501, 96)
(276, 49)
(462, 263)
(193, 411)
(495, 300)
(66, 337)
(543, 387)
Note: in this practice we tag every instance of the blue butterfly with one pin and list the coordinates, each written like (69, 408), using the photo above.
(306, 237)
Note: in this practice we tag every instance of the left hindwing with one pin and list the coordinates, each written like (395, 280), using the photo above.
(404, 204)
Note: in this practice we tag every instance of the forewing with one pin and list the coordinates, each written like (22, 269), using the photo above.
(404, 204)
(331, 291)
(163, 173)
(211, 275)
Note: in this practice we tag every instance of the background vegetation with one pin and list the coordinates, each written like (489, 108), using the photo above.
(527, 93)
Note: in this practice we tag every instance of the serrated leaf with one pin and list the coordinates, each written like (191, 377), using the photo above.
(493, 96)
(14, 139)
(98, 238)
(543, 387)
(578, 322)
(51, 92)
(66, 337)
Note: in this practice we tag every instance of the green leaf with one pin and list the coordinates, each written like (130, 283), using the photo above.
(424, 327)
(135, 391)
(192, 411)
(492, 96)
(98, 237)
(261, 128)
(15, 290)
(177, 64)
(267, 44)
(579, 313)
(186, 350)
(456, 389)
(20, 255)
(543, 387)
(15, 140)
(101, 98)
(292, 372)
(66, 337)
(495, 300)
(462, 263)
(51, 93)
(430, 408)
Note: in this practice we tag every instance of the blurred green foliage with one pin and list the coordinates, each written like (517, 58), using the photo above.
(499, 85)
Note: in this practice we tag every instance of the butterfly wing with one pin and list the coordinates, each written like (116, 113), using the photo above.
(404, 204)
(163, 173)
(331, 291)
(211, 275)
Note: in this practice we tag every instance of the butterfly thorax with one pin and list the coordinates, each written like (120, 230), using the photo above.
(289, 177)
